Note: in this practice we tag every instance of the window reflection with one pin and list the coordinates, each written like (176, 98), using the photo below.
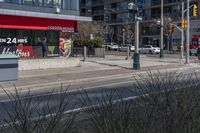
(63, 4)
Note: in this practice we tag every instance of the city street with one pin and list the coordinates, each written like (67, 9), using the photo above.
(79, 91)
(99, 66)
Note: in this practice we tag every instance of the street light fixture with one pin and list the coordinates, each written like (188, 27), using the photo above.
(161, 32)
(136, 60)
(188, 33)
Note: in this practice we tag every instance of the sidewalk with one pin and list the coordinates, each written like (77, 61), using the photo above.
(93, 69)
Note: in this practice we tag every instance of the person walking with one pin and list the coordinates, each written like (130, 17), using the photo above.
(44, 47)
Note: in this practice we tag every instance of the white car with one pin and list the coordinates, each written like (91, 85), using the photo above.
(149, 49)
(193, 51)
(112, 46)
(124, 48)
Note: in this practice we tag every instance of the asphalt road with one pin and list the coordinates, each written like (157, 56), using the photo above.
(80, 96)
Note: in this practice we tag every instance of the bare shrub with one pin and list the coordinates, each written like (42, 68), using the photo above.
(29, 114)
(165, 103)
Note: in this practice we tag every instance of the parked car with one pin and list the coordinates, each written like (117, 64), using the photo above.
(124, 47)
(193, 49)
(194, 45)
(149, 49)
(112, 46)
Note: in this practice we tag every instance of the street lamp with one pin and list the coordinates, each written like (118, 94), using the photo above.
(136, 60)
(161, 32)
(188, 33)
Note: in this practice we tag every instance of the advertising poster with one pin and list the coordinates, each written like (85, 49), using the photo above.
(13, 45)
(65, 44)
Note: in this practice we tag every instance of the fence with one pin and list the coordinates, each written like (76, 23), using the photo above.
(90, 52)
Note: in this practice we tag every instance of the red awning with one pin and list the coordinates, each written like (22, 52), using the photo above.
(36, 23)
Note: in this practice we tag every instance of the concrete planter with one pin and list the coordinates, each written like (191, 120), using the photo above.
(31, 64)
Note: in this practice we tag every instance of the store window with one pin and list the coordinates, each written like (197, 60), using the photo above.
(37, 37)
(53, 43)
(7, 33)
(24, 36)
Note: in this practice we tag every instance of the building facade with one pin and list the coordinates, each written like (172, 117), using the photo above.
(115, 13)
(25, 23)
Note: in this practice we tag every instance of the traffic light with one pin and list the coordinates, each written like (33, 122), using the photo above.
(195, 10)
(183, 24)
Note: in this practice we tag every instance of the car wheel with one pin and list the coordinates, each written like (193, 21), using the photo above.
(190, 53)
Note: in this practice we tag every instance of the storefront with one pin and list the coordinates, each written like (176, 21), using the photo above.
(22, 35)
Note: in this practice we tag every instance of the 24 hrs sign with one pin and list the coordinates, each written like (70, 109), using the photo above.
(14, 40)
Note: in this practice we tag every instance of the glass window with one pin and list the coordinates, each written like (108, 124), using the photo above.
(48, 3)
(37, 37)
(16, 1)
(24, 34)
(53, 43)
(53, 37)
(7, 33)
(38, 2)
(5, 1)
(28, 2)
(57, 3)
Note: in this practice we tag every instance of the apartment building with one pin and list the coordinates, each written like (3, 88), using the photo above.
(115, 14)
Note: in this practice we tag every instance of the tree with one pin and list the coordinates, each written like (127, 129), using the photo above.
(129, 31)
(85, 29)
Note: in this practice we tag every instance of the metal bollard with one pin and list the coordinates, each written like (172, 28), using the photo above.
(84, 53)
(127, 53)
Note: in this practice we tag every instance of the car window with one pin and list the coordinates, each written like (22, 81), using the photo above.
(147, 47)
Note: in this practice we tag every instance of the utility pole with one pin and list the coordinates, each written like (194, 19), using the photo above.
(161, 32)
(182, 32)
(188, 33)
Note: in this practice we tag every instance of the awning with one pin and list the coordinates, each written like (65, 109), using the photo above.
(37, 23)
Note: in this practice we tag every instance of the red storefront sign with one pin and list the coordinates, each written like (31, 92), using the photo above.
(20, 51)
(36, 23)
(25, 51)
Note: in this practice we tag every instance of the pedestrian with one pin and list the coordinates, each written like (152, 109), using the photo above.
(44, 47)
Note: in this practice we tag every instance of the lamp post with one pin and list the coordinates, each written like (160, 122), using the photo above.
(188, 33)
(161, 32)
(182, 32)
(136, 60)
